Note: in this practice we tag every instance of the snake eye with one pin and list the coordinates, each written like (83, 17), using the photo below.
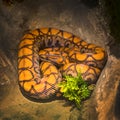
(69, 44)
(82, 50)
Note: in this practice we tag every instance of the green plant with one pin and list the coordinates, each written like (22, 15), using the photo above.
(75, 89)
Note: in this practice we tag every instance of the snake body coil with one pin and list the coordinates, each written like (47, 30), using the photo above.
(47, 53)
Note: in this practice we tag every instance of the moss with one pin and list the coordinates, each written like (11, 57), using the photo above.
(19, 116)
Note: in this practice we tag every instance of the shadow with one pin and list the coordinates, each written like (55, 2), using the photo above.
(114, 49)
(90, 3)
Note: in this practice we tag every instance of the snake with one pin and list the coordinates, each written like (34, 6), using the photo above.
(46, 54)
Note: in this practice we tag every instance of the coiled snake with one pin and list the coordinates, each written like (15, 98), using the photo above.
(46, 54)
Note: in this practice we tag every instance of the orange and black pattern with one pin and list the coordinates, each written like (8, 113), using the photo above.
(46, 54)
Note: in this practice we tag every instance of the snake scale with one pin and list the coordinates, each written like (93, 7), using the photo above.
(45, 54)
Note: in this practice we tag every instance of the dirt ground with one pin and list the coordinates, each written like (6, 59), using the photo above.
(76, 16)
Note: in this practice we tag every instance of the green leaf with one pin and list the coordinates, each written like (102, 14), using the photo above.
(75, 89)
